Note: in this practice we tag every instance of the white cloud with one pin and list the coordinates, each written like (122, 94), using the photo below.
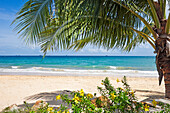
(97, 50)
(6, 16)
(104, 50)
(146, 45)
(92, 50)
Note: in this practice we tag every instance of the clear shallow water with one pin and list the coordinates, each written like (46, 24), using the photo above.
(77, 63)
(145, 63)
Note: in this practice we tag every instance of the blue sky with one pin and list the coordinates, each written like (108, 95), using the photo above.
(10, 44)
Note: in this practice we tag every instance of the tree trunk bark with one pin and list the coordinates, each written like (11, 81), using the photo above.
(167, 83)
(162, 45)
(163, 61)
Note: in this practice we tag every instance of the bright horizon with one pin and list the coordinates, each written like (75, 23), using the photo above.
(72, 55)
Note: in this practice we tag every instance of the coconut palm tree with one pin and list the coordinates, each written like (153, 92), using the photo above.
(123, 24)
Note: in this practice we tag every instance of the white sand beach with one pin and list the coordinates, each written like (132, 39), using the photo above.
(14, 89)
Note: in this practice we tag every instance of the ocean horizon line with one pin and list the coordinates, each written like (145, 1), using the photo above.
(79, 55)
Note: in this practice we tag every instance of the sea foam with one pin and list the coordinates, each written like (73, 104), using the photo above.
(15, 67)
(112, 67)
(77, 72)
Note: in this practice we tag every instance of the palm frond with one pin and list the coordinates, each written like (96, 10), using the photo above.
(72, 24)
(32, 18)
(110, 34)
(154, 14)
(167, 28)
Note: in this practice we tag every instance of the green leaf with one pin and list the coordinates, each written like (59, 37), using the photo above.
(167, 28)
(154, 14)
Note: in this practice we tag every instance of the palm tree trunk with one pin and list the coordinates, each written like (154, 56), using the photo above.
(163, 61)
(162, 45)
(167, 83)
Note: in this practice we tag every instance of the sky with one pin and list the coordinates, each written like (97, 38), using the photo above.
(11, 44)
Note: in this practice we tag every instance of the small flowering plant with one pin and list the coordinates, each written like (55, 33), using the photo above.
(80, 102)
(111, 99)
(119, 99)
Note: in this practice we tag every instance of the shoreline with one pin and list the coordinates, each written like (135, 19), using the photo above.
(76, 72)
(16, 88)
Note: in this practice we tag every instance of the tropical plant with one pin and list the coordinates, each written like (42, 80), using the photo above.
(119, 100)
(123, 24)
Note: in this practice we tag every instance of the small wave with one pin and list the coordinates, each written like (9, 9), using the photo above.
(112, 67)
(122, 68)
(37, 67)
(126, 68)
(78, 72)
(15, 67)
(47, 69)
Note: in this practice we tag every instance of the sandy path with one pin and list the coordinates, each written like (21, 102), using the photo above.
(14, 89)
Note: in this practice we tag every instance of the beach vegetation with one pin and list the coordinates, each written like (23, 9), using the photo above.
(111, 99)
(123, 24)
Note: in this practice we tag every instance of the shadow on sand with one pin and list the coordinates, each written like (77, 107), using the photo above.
(49, 97)
(153, 95)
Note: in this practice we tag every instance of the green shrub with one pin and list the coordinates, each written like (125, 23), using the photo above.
(112, 100)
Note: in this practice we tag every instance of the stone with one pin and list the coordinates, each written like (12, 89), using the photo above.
(11, 108)
(38, 104)
(104, 101)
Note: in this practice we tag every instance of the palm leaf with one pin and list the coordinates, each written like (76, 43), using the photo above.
(32, 18)
(167, 28)
(154, 14)
(66, 24)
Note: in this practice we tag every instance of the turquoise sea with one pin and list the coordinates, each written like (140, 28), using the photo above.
(52, 64)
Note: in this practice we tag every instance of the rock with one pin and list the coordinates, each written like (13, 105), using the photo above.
(38, 104)
(101, 101)
(11, 108)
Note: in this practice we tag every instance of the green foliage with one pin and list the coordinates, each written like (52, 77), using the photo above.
(73, 24)
(112, 99)
(165, 107)
(121, 99)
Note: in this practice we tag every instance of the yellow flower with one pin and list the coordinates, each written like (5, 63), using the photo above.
(121, 88)
(102, 83)
(81, 92)
(132, 92)
(50, 109)
(146, 107)
(90, 109)
(113, 96)
(118, 80)
(154, 103)
(76, 99)
(58, 97)
(65, 112)
(89, 95)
